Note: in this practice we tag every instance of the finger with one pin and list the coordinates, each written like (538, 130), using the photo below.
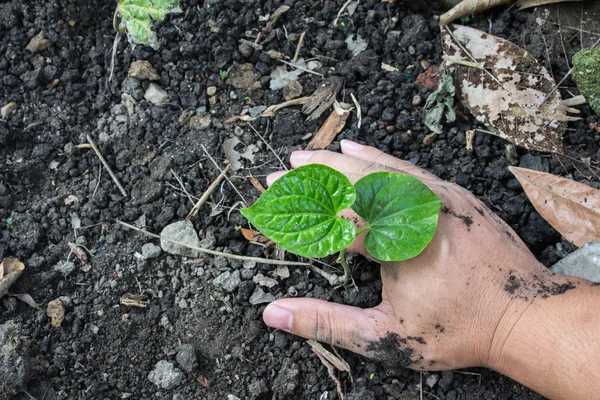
(353, 168)
(274, 176)
(368, 153)
(352, 328)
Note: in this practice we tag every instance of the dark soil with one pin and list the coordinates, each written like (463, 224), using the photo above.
(104, 350)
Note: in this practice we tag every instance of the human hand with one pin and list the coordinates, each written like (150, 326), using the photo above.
(452, 306)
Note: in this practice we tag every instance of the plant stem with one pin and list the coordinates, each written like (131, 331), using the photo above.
(361, 230)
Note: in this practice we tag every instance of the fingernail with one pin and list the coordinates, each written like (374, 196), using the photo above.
(278, 318)
(274, 176)
(300, 157)
(349, 145)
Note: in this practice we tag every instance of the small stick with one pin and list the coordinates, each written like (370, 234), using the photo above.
(189, 196)
(299, 46)
(339, 14)
(301, 68)
(103, 161)
(207, 193)
(83, 146)
(269, 146)
(216, 253)
(358, 110)
(220, 170)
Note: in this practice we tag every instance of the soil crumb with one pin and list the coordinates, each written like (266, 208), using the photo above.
(391, 349)
(466, 219)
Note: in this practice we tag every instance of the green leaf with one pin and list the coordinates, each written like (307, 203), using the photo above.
(401, 213)
(299, 211)
(137, 17)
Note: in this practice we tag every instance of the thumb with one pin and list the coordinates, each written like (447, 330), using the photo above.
(349, 327)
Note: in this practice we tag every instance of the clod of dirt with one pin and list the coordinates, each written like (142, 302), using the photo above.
(156, 95)
(56, 312)
(586, 74)
(143, 70)
(257, 389)
(228, 281)
(292, 90)
(186, 357)
(8, 109)
(146, 191)
(260, 297)
(14, 364)
(39, 43)
(165, 375)
(181, 232)
(200, 122)
(287, 379)
(65, 268)
(150, 251)
(262, 280)
(244, 76)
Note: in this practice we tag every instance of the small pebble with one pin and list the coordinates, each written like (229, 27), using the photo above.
(211, 90)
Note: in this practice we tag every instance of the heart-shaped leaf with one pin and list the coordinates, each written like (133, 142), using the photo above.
(299, 211)
(401, 214)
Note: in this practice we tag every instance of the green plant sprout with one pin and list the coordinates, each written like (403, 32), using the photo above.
(299, 212)
(223, 74)
(137, 16)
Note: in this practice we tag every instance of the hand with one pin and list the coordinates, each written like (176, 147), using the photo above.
(452, 306)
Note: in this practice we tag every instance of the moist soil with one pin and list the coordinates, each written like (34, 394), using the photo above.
(53, 193)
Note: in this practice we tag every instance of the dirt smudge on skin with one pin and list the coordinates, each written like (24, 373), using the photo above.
(535, 287)
(468, 220)
(391, 349)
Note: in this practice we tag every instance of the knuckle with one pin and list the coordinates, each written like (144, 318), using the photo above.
(323, 328)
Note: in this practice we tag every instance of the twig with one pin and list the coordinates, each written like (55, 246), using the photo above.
(189, 196)
(339, 14)
(101, 157)
(299, 46)
(220, 170)
(113, 56)
(207, 193)
(99, 178)
(358, 110)
(216, 253)
(477, 65)
(301, 68)
(331, 372)
(269, 146)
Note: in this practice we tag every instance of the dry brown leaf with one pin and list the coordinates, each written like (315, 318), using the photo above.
(428, 78)
(10, 271)
(329, 130)
(572, 208)
(56, 312)
(505, 88)
(523, 4)
(257, 184)
(249, 234)
(467, 7)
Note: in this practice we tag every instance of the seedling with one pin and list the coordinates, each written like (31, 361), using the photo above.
(223, 74)
(299, 212)
(137, 16)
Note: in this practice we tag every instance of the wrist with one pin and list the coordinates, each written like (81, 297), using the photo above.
(548, 342)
